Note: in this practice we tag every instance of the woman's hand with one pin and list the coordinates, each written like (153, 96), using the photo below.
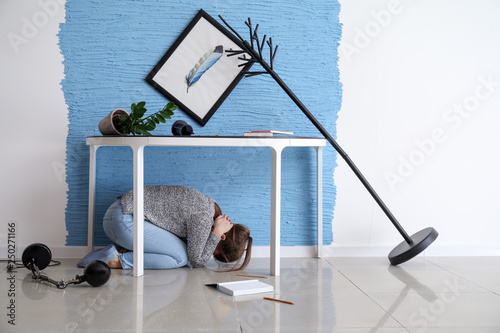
(222, 224)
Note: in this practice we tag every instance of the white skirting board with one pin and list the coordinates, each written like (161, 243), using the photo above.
(309, 251)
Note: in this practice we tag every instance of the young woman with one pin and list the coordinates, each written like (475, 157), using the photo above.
(182, 226)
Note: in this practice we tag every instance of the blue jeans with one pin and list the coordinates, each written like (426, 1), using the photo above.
(162, 249)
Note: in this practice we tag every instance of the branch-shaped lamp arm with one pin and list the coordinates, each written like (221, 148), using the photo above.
(411, 246)
(249, 49)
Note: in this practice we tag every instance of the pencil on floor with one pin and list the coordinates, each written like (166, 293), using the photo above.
(278, 300)
(254, 276)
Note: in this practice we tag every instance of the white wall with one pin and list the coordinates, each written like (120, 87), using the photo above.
(420, 108)
(404, 74)
(34, 126)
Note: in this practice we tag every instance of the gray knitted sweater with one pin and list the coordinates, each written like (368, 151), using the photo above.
(184, 212)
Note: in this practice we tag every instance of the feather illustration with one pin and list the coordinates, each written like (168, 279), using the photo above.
(203, 65)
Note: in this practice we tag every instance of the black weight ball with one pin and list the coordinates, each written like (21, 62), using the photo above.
(96, 273)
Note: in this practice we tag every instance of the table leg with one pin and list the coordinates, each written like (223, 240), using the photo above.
(319, 163)
(138, 303)
(275, 210)
(91, 204)
(138, 211)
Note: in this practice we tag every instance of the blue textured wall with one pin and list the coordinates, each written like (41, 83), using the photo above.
(110, 46)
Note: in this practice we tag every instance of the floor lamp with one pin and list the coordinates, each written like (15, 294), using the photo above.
(412, 245)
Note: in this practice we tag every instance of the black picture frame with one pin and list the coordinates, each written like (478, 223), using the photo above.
(199, 45)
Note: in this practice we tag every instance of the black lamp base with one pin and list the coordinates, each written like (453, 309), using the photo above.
(406, 251)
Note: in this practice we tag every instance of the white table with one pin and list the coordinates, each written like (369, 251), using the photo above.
(137, 143)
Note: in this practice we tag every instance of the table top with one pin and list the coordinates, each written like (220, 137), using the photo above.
(208, 141)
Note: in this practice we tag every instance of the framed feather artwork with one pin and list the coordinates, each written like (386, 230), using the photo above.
(195, 72)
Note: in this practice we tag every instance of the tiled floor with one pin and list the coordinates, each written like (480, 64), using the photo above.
(432, 294)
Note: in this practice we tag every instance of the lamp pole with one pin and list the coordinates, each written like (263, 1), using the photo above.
(412, 245)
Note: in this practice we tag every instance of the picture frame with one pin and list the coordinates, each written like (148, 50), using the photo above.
(195, 73)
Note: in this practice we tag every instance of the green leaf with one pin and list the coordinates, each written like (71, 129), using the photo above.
(160, 118)
(142, 131)
(155, 119)
(151, 124)
(171, 106)
(166, 114)
(138, 110)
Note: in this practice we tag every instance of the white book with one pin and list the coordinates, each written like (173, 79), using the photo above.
(257, 134)
(244, 287)
(266, 133)
(273, 132)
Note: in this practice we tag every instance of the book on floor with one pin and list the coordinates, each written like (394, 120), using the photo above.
(244, 287)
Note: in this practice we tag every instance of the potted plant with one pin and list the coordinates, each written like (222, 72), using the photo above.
(120, 122)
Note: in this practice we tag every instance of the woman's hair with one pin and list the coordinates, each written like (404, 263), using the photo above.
(237, 243)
